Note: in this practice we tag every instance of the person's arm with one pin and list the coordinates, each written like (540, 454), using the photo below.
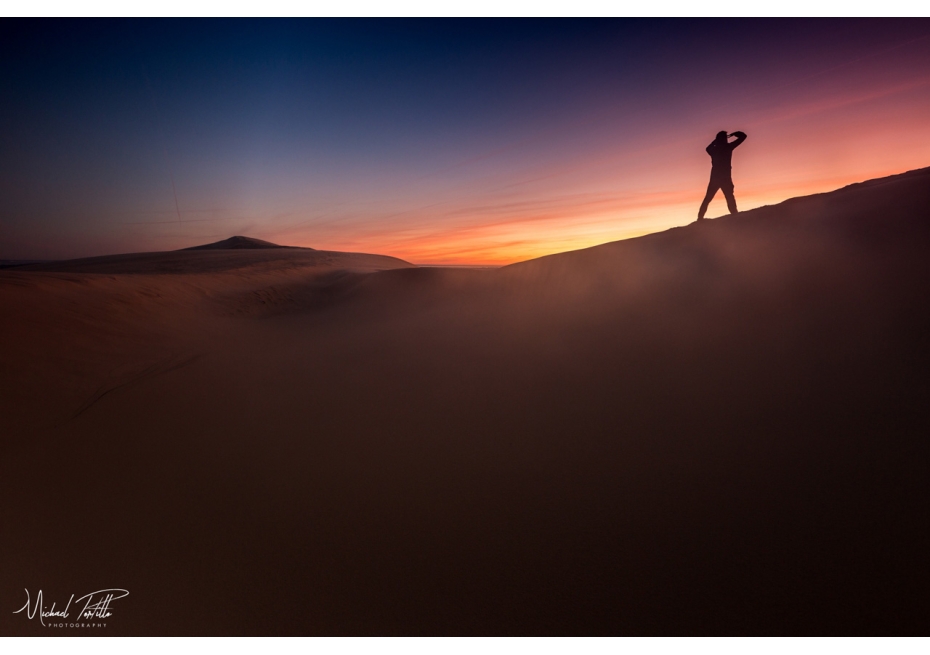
(710, 149)
(740, 137)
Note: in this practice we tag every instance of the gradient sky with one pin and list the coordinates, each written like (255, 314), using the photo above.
(438, 141)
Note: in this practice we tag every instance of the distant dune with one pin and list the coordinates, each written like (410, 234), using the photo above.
(239, 243)
(242, 253)
(717, 429)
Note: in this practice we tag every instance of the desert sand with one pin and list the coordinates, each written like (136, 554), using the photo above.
(717, 429)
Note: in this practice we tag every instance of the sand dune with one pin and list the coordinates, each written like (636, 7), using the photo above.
(211, 259)
(240, 243)
(721, 428)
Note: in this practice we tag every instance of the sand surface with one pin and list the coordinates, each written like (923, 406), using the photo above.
(718, 429)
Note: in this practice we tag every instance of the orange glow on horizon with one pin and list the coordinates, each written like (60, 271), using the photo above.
(523, 237)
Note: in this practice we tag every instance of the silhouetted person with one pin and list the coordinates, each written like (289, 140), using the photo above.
(721, 151)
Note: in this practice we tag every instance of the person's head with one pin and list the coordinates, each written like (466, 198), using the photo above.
(721, 136)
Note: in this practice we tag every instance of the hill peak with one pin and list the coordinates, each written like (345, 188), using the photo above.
(239, 243)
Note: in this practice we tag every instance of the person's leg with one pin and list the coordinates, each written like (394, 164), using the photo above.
(728, 194)
(711, 192)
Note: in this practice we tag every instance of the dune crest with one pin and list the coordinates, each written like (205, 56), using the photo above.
(239, 243)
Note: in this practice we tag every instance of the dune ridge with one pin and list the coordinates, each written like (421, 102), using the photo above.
(207, 259)
(239, 243)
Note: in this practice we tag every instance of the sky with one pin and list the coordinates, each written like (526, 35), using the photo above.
(438, 141)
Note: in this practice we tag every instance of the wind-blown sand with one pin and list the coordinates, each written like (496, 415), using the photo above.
(721, 428)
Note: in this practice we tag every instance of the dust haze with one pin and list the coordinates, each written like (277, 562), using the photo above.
(720, 428)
